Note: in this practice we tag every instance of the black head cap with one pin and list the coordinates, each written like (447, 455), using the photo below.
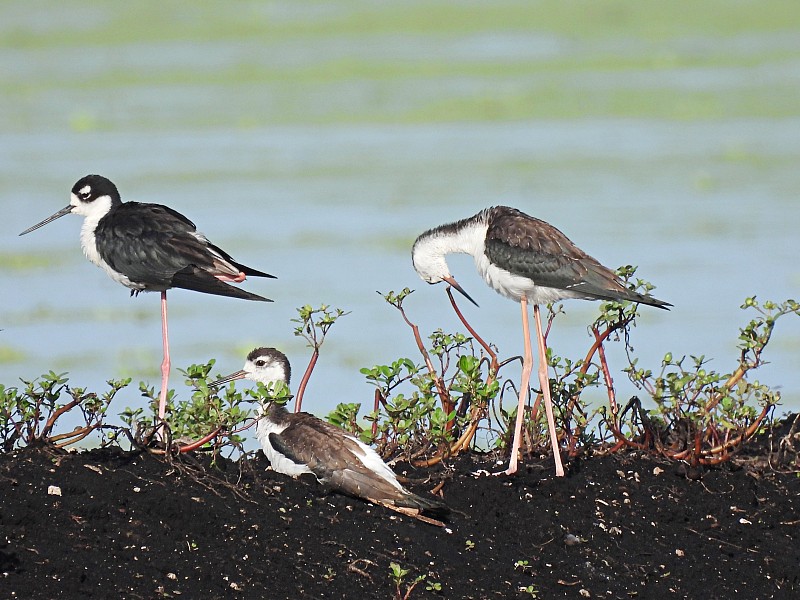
(91, 187)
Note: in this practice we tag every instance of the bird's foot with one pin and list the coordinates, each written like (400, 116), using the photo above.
(238, 279)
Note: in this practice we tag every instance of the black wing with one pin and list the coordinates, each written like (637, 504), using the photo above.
(158, 247)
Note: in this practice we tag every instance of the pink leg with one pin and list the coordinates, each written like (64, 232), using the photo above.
(524, 386)
(544, 381)
(165, 365)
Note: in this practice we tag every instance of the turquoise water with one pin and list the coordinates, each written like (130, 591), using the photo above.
(319, 157)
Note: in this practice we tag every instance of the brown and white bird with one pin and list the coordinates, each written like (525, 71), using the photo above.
(527, 260)
(298, 443)
(150, 248)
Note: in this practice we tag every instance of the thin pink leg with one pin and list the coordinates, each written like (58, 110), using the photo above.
(165, 365)
(544, 381)
(524, 386)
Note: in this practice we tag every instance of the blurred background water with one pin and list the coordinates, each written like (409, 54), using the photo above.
(316, 140)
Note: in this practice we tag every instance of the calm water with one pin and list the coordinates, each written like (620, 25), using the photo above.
(706, 206)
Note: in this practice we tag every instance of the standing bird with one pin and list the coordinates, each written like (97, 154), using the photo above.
(298, 443)
(150, 248)
(527, 260)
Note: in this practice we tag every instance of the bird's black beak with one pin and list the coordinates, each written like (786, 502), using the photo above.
(64, 211)
(454, 284)
(232, 377)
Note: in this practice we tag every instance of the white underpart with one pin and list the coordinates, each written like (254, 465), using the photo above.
(92, 213)
(267, 374)
(515, 287)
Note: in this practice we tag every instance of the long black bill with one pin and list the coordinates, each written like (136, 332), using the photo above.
(64, 211)
(232, 377)
(454, 284)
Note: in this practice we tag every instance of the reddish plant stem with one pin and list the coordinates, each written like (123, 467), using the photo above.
(210, 436)
(246, 427)
(74, 433)
(697, 454)
(202, 441)
(378, 398)
(599, 339)
(457, 446)
(612, 400)
(494, 367)
(54, 417)
(444, 395)
(81, 434)
(748, 433)
(298, 401)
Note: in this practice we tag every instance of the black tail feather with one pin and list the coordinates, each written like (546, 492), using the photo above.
(428, 506)
(251, 272)
(198, 280)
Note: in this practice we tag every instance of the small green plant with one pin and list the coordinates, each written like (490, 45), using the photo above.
(30, 416)
(433, 586)
(398, 575)
(531, 590)
(702, 415)
(205, 411)
(313, 326)
(428, 410)
(446, 396)
(345, 415)
(213, 418)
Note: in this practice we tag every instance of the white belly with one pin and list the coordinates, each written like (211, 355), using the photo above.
(515, 287)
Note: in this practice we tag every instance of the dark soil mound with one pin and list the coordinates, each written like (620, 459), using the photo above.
(622, 526)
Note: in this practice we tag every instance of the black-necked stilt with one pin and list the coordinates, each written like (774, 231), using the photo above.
(527, 260)
(298, 443)
(150, 247)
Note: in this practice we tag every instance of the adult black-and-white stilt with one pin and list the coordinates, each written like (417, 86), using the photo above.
(527, 260)
(298, 443)
(150, 248)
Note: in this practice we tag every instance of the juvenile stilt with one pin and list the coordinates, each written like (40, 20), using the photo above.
(298, 443)
(531, 262)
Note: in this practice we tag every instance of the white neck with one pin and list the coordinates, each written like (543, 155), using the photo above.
(430, 249)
